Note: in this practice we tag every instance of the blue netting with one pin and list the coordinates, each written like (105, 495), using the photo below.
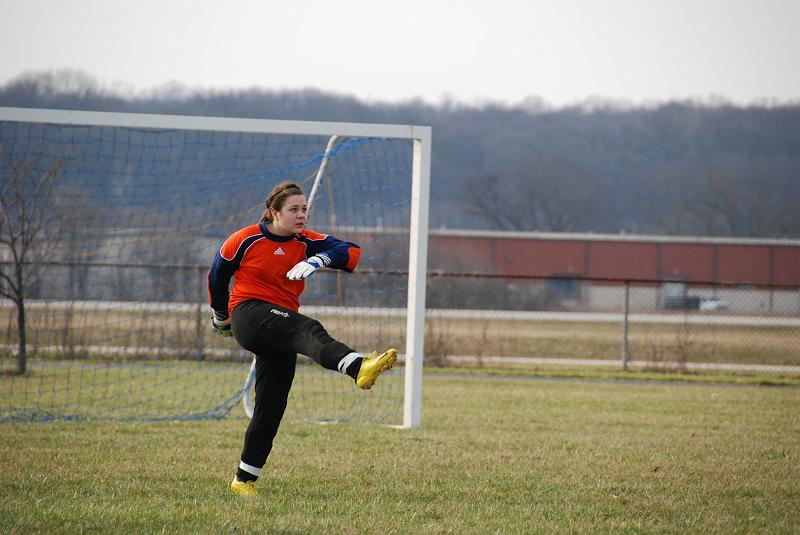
(116, 318)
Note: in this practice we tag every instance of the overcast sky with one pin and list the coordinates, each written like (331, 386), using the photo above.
(562, 51)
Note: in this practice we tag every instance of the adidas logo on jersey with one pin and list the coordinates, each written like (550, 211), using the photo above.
(278, 251)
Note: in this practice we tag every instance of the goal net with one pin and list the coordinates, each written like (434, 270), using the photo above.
(131, 209)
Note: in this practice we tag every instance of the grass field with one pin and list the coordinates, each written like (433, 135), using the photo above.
(495, 455)
(171, 390)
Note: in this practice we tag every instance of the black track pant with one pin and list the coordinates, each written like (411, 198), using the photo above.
(276, 335)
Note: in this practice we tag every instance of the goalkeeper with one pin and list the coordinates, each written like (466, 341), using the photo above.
(270, 261)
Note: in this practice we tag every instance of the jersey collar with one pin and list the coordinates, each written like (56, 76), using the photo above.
(274, 237)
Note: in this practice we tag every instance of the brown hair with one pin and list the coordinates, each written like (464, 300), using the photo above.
(277, 197)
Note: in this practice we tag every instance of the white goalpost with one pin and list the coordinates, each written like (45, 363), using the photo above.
(143, 199)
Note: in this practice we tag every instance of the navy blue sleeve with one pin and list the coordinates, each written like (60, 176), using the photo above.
(338, 254)
(219, 278)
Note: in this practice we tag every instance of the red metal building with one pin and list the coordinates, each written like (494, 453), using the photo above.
(736, 261)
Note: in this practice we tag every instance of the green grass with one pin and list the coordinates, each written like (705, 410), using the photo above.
(495, 455)
(590, 373)
(180, 390)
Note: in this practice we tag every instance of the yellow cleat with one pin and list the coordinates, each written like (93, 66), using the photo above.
(243, 488)
(373, 365)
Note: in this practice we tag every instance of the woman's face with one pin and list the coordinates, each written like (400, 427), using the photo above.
(291, 218)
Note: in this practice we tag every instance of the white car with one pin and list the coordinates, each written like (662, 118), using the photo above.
(714, 304)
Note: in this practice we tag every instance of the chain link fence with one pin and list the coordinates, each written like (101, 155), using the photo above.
(161, 312)
(667, 326)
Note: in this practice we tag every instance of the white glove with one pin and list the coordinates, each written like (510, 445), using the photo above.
(303, 269)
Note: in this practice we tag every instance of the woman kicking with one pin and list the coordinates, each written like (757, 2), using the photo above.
(270, 261)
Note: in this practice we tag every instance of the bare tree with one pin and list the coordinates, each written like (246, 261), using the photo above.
(484, 197)
(545, 194)
(748, 200)
(29, 231)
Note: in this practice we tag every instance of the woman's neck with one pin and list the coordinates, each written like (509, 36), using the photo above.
(278, 231)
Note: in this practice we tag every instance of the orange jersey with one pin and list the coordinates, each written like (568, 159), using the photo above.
(259, 260)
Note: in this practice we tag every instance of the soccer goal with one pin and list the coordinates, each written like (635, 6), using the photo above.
(125, 213)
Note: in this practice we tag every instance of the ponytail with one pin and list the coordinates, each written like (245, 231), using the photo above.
(277, 197)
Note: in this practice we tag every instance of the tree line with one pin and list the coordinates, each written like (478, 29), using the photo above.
(677, 168)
